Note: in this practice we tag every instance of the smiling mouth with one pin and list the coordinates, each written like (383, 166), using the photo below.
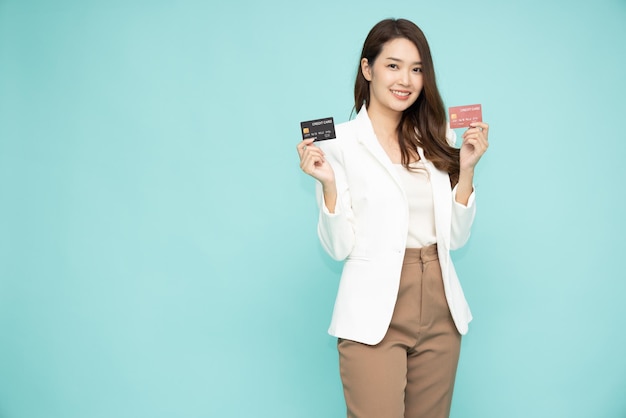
(401, 93)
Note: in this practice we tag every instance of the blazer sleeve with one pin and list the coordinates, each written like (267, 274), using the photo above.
(462, 220)
(336, 230)
(462, 215)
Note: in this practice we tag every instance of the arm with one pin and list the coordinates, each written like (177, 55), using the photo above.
(475, 143)
(465, 187)
(336, 219)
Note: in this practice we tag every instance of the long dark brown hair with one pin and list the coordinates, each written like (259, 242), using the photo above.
(424, 123)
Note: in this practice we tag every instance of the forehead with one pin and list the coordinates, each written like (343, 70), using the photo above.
(400, 48)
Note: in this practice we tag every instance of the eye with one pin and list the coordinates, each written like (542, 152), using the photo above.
(393, 66)
(417, 70)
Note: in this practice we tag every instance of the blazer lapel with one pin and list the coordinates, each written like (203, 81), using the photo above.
(367, 138)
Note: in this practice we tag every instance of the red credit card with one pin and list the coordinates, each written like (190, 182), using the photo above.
(462, 116)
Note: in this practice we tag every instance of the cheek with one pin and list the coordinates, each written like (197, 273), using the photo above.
(380, 84)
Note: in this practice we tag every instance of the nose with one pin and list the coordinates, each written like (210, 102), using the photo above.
(404, 78)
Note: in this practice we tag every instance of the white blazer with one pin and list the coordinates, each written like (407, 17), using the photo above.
(369, 230)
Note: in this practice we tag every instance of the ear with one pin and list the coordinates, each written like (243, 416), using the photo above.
(366, 70)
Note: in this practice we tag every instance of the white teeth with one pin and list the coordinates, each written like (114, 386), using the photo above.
(400, 93)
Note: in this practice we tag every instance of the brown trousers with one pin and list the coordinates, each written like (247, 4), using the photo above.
(410, 373)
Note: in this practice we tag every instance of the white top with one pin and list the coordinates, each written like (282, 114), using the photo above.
(419, 194)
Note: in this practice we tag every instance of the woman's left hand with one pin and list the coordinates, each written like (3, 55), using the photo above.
(475, 143)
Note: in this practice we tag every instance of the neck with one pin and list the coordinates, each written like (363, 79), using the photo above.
(385, 122)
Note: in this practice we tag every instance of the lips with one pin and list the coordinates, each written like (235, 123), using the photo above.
(401, 94)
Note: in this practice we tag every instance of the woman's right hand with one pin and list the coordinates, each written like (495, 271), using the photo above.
(313, 163)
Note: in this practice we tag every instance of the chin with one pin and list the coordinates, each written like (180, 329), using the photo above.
(402, 107)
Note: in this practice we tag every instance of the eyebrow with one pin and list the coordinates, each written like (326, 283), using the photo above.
(399, 60)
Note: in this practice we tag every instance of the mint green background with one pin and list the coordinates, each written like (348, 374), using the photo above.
(158, 254)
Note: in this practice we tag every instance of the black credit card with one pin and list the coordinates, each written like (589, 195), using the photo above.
(318, 129)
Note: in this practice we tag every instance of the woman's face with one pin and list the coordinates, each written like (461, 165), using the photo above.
(395, 77)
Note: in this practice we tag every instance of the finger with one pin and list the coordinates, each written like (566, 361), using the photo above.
(476, 143)
(476, 133)
(481, 126)
(302, 145)
(311, 158)
(307, 165)
(310, 164)
(471, 130)
(470, 141)
(478, 147)
(472, 136)
(313, 152)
